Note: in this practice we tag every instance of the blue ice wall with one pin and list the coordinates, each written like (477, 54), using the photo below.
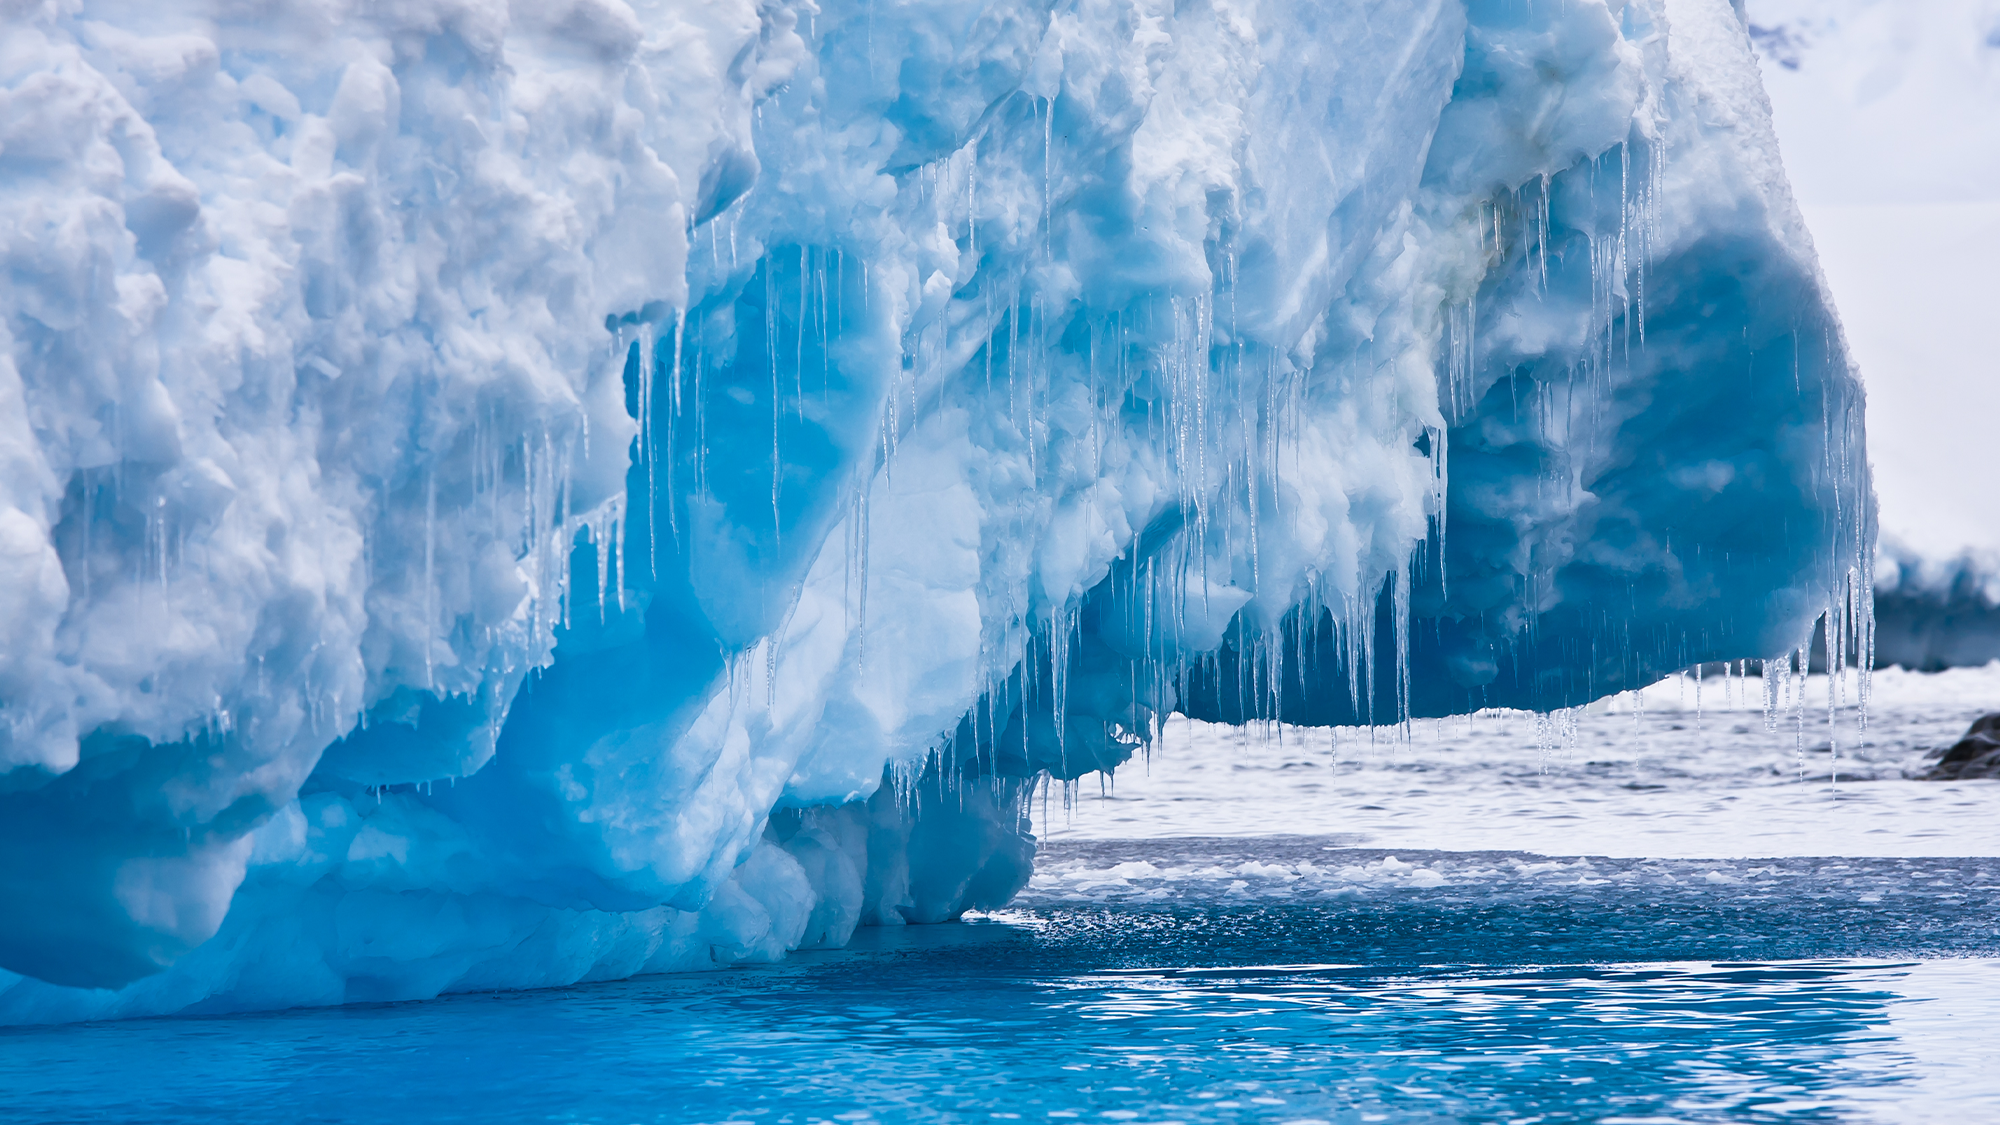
(502, 495)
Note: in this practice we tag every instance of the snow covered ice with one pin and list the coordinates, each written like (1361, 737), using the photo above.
(503, 495)
(1715, 770)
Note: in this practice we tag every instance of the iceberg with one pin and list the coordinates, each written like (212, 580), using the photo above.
(507, 495)
(1931, 613)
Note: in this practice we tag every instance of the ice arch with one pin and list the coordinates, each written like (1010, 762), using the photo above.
(488, 489)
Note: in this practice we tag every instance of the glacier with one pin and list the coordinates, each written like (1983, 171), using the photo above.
(502, 495)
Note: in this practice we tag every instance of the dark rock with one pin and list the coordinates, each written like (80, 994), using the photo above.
(1974, 756)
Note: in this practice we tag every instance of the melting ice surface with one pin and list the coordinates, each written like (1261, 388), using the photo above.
(488, 493)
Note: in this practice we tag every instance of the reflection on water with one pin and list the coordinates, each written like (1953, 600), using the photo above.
(1064, 1014)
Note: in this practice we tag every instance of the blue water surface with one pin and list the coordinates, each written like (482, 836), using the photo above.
(1418, 1008)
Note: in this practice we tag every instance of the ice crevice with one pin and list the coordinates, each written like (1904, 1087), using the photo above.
(505, 495)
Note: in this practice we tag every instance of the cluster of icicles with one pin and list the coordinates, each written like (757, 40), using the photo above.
(1225, 413)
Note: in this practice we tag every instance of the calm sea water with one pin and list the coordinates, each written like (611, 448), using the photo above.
(1346, 1011)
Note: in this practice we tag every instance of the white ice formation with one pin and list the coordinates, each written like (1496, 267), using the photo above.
(486, 489)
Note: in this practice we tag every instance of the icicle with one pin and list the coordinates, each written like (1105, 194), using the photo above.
(1048, 178)
(1770, 685)
(1804, 662)
(777, 401)
(430, 577)
(673, 420)
(647, 437)
(1835, 658)
(1401, 603)
(1697, 698)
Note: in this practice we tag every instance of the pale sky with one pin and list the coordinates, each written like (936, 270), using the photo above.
(1889, 119)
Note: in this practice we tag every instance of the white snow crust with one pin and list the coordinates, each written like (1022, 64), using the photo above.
(486, 489)
(1728, 768)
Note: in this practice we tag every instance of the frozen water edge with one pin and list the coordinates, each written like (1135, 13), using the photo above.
(1648, 777)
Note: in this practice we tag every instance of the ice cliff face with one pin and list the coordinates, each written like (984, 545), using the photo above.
(487, 489)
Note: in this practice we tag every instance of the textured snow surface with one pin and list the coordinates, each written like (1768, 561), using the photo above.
(1677, 772)
(464, 466)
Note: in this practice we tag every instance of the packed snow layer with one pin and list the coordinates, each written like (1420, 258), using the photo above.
(488, 489)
